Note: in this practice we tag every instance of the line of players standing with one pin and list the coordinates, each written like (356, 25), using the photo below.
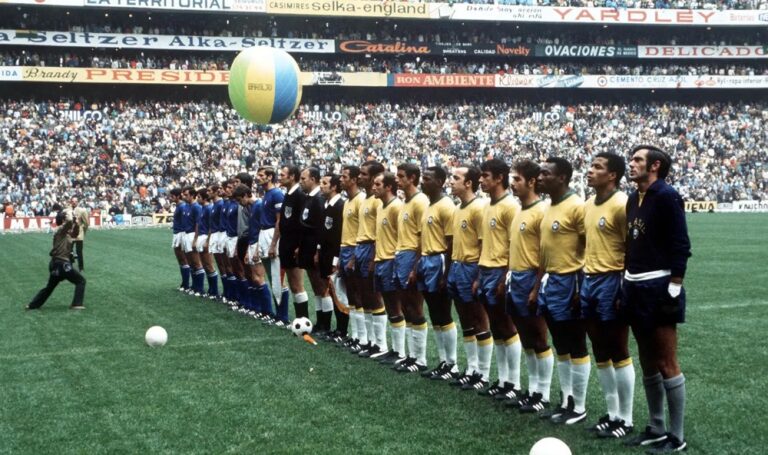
(513, 271)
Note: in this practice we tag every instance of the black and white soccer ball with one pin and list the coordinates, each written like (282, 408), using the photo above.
(301, 326)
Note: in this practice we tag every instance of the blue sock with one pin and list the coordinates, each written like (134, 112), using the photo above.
(233, 293)
(255, 297)
(282, 308)
(244, 296)
(185, 273)
(198, 281)
(213, 284)
(266, 299)
(225, 285)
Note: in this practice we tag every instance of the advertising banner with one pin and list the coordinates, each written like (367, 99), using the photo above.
(585, 50)
(702, 52)
(123, 76)
(419, 48)
(700, 206)
(344, 79)
(441, 80)
(255, 6)
(38, 223)
(750, 206)
(139, 41)
(352, 8)
(632, 82)
(44, 2)
(10, 73)
(162, 218)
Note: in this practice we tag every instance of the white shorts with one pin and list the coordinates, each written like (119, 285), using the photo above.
(187, 242)
(253, 257)
(202, 243)
(177, 240)
(216, 245)
(231, 247)
(265, 241)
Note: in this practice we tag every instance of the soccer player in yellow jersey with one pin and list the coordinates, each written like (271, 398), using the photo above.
(522, 293)
(465, 254)
(406, 261)
(605, 221)
(435, 261)
(562, 259)
(349, 230)
(490, 285)
(387, 224)
(365, 250)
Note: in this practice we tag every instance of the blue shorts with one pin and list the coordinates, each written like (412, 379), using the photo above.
(364, 254)
(489, 283)
(520, 286)
(460, 279)
(429, 272)
(647, 304)
(599, 293)
(346, 253)
(556, 297)
(405, 263)
(384, 276)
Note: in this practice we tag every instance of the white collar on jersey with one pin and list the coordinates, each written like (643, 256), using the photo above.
(293, 188)
(315, 191)
(333, 200)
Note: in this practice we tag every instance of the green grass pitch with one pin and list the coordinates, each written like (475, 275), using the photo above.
(84, 382)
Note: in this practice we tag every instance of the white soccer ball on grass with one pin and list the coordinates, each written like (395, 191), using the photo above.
(301, 327)
(550, 446)
(156, 336)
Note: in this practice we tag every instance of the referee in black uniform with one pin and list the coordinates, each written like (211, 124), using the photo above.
(657, 254)
(328, 250)
(60, 267)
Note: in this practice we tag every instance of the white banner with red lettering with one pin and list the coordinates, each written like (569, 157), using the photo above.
(701, 52)
(37, 223)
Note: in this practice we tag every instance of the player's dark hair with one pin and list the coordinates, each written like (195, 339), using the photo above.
(655, 154)
(314, 173)
(203, 193)
(293, 171)
(176, 192)
(562, 167)
(245, 178)
(497, 168)
(439, 173)
(335, 181)
(473, 175)
(60, 216)
(354, 171)
(214, 189)
(225, 183)
(269, 171)
(528, 169)
(411, 171)
(189, 189)
(616, 164)
(389, 179)
(241, 191)
(374, 168)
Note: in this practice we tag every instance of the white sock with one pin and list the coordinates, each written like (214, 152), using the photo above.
(514, 349)
(318, 304)
(380, 331)
(409, 340)
(545, 365)
(564, 374)
(625, 385)
(484, 354)
(326, 303)
(607, 376)
(437, 331)
(449, 341)
(368, 318)
(398, 338)
(470, 348)
(579, 380)
(530, 362)
(362, 330)
(420, 343)
(501, 362)
(352, 323)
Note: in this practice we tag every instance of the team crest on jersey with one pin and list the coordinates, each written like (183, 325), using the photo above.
(405, 216)
(305, 214)
(288, 212)
(601, 223)
(384, 222)
(493, 223)
(328, 222)
(365, 212)
(522, 226)
(635, 233)
(430, 220)
(555, 226)
(349, 213)
(464, 225)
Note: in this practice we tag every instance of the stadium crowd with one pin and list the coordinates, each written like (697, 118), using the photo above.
(129, 156)
(425, 65)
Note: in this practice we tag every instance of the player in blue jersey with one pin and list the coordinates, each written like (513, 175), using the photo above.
(189, 194)
(202, 245)
(272, 202)
(178, 237)
(229, 222)
(216, 244)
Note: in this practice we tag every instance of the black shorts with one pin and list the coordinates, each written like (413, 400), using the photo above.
(286, 249)
(326, 264)
(307, 251)
(647, 304)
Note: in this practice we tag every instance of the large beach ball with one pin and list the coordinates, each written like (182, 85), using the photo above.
(264, 85)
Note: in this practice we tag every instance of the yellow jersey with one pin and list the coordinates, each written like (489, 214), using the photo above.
(409, 229)
(437, 226)
(606, 228)
(562, 235)
(525, 237)
(351, 220)
(497, 221)
(366, 229)
(387, 227)
(467, 230)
